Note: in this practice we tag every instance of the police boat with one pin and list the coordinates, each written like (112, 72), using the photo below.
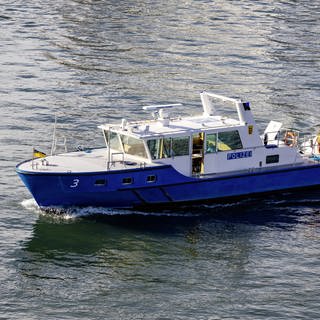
(168, 161)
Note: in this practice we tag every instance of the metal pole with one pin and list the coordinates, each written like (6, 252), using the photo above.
(109, 151)
(54, 135)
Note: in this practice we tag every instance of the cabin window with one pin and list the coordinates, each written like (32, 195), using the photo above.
(154, 148)
(229, 140)
(272, 159)
(100, 183)
(168, 147)
(114, 142)
(211, 143)
(165, 148)
(127, 180)
(151, 178)
(159, 148)
(133, 146)
(180, 146)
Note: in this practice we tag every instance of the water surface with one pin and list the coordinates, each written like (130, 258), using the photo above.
(91, 62)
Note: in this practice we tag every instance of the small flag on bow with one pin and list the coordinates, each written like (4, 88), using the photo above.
(38, 154)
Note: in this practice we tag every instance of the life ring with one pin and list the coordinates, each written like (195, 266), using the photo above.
(290, 139)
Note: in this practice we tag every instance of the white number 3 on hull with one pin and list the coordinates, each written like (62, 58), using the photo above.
(75, 183)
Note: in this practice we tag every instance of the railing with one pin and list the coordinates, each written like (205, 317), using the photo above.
(122, 161)
(112, 162)
(58, 139)
(288, 137)
(311, 145)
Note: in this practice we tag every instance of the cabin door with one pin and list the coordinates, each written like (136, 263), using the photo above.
(197, 153)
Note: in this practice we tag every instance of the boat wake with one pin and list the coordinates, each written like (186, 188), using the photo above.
(82, 212)
(70, 213)
(194, 211)
(191, 211)
(31, 205)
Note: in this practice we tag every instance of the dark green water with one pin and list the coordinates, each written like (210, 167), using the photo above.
(92, 62)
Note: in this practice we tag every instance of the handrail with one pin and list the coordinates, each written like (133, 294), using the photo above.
(55, 138)
(112, 162)
(125, 163)
(281, 135)
(310, 141)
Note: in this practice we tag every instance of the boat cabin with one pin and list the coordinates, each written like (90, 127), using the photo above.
(200, 145)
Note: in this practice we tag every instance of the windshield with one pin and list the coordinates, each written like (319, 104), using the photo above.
(133, 146)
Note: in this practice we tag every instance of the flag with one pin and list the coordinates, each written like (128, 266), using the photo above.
(38, 154)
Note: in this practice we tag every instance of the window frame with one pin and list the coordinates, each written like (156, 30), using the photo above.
(140, 144)
(224, 141)
(164, 148)
(272, 158)
(107, 135)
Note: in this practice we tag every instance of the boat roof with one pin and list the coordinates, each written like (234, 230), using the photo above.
(163, 125)
(177, 126)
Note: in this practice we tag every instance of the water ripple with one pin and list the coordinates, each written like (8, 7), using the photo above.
(96, 61)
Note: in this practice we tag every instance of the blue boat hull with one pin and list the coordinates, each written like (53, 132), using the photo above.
(169, 188)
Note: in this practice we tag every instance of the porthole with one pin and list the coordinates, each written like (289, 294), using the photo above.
(151, 179)
(100, 183)
(127, 180)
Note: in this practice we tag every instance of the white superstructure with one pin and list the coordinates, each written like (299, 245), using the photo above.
(205, 144)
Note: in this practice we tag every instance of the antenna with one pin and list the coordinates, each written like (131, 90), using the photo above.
(160, 113)
(161, 106)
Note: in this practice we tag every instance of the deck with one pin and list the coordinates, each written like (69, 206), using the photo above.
(93, 160)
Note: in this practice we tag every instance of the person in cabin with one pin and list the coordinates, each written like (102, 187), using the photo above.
(211, 148)
(198, 143)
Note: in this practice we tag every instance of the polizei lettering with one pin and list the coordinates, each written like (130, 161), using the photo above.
(239, 155)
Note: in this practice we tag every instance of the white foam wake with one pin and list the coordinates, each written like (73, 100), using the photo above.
(30, 204)
(74, 212)
(77, 212)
